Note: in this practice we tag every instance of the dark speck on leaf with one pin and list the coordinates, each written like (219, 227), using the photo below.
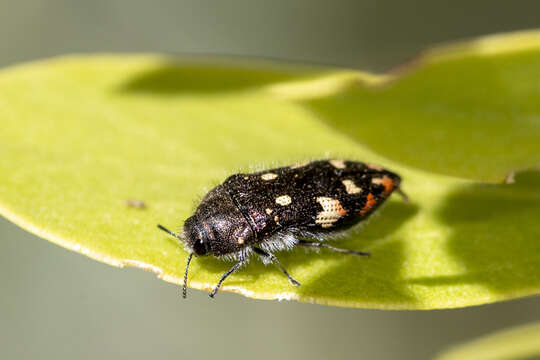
(138, 204)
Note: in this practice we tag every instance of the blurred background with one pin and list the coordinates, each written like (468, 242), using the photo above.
(55, 304)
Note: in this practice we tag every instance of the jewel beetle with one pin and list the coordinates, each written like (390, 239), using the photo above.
(278, 209)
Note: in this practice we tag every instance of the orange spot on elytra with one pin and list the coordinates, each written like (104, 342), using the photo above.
(370, 202)
(388, 184)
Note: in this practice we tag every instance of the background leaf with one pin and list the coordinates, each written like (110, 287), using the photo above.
(81, 135)
(520, 342)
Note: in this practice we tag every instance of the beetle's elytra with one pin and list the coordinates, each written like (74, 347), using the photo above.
(277, 209)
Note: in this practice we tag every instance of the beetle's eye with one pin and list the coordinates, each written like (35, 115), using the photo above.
(199, 248)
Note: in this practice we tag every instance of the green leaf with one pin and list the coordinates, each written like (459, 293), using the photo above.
(469, 111)
(520, 342)
(83, 134)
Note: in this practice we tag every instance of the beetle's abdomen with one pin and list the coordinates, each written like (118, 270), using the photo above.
(317, 196)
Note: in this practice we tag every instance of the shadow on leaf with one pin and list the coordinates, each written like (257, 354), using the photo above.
(370, 280)
(173, 78)
(496, 234)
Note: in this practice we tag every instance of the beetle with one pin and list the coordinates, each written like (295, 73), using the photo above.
(272, 210)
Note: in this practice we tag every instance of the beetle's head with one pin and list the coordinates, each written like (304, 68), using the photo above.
(216, 228)
(216, 235)
(196, 237)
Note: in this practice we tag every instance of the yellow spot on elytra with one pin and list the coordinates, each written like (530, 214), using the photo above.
(370, 202)
(299, 165)
(268, 211)
(246, 177)
(351, 187)
(283, 200)
(268, 176)
(338, 164)
(332, 211)
(276, 219)
(240, 240)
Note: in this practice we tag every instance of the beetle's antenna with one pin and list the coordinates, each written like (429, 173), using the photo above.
(184, 288)
(169, 231)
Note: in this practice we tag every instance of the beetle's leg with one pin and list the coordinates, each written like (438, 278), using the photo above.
(274, 260)
(316, 244)
(224, 276)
